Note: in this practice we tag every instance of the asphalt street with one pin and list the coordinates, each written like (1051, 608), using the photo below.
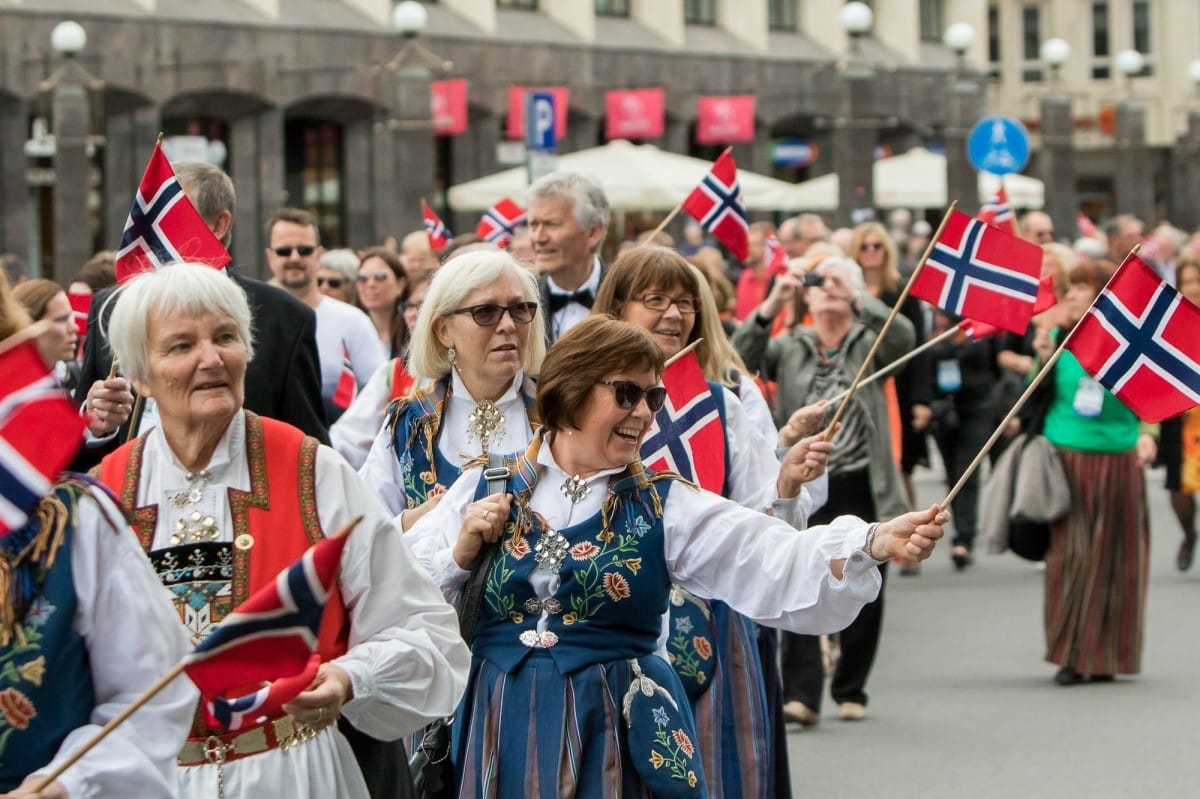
(962, 703)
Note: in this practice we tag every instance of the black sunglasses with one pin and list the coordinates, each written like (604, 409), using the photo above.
(489, 315)
(378, 277)
(628, 393)
(332, 282)
(303, 250)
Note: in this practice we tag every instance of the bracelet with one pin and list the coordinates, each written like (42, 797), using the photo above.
(869, 544)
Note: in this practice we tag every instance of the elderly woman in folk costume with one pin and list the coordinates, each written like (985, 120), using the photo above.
(477, 339)
(570, 690)
(734, 691)
(83, 630)
(222, 500)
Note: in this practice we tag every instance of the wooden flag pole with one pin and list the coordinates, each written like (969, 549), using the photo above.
(682, 352)
(896, 364)
(679, 207)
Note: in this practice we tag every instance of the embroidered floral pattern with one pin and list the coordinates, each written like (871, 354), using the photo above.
(683, 625)
(660, 716)
(517, 546)
(584, 550)
(39, 612)
(616, 587)
(501, 602)
(17, 709)
(637, 526)
(678, 750)
(702, 646)
(685, 656)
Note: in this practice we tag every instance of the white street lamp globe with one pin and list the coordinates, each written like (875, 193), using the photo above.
(959, 37)
(1130, 62)
(68, 38)
(409, 17)
(1194, 72)
(857, 18)
(1055, 52)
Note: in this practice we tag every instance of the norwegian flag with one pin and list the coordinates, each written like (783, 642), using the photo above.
(774, 256)
(81, 306)
(717, 205)
(265, 703)
(500, 222)
(1087, 228)
(39, 433)
(347, 385)
(998, 212)
(1139, 341)
(1046, 300)
(269, 637)
(687, 436)
(437, 231)
(980, 272)
(164, 227)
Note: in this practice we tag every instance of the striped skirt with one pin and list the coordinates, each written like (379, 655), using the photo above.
(1097, 567)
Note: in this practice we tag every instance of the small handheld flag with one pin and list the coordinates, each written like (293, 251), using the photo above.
(347, 385)
(500, 222)
(717, 205)
(774, 256)
(996, 211)
(437, 231)
(687, 435)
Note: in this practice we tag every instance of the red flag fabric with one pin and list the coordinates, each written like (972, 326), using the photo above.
(448, 104)
(1139, 341)
(437, 231)
(499, 222)
(725, 120)
(634, 114)
(269, 637)
(81, 306)
(774, 256)
(996, 211)
(39, 433)
(515, 127)
(1044, 302)
(1087, 227)
(347, 385)
(717, 205)
(687, 436)
(980, 272)
(164, 227)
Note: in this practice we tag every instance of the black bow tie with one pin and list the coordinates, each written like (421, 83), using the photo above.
(584, 297)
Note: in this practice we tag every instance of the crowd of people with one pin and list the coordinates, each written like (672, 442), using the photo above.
(633, 629)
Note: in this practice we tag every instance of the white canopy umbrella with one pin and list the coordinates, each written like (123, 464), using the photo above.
(634, 176)
(916, 179)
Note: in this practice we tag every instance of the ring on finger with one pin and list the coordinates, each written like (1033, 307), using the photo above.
(481, 513)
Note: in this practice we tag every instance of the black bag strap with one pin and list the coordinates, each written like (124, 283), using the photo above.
(471, 597)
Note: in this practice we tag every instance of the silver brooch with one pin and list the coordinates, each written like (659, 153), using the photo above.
(574, 488)
(197, 482)
(550, 551)
(485, 422)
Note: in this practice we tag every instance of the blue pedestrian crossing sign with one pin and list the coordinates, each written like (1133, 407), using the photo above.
(999, 145)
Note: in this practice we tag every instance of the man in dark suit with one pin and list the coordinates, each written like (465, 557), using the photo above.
(567, 214)
(282, 381)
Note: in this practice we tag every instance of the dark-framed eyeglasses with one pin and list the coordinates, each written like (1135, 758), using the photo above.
(871, 245)
(489, 314)
(628, 394)
(412, 306)
(332, 282)
(303, 250)
(378, 277)
(661, 302)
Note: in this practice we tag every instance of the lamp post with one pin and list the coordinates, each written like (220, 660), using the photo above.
(855, 127)
(965, 103)
(1057, 159)
(70, 111)
(1132, 184)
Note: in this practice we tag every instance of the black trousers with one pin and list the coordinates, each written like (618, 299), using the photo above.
(803, 670)
(959, 445)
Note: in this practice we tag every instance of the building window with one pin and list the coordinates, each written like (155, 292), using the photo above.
(1101, 42)
(1141, 34)
(1031, 43)
(313, 170)
(528, 5)
(993, 41)
(700, 12)
(612, 8)
(931, 20)
(781, 15)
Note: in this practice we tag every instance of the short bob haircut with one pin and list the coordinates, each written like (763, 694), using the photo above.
(467, 271)
(186, 288)
(592, 350)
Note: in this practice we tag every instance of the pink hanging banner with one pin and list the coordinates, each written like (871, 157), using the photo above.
(725, 120)
(449, 106)
(634, 114)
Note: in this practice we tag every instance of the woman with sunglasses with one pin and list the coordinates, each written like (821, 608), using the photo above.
(382, 284)
(336, 270)
(478, 337)
(570, 692)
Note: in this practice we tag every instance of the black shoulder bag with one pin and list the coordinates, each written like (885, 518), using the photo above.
(430, 766)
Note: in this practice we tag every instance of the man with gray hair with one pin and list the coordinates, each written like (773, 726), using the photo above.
(567, 214)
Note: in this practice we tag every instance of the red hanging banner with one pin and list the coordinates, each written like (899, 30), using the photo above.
(515, 129)
(633, 114)
(725, 120)
(448, 104)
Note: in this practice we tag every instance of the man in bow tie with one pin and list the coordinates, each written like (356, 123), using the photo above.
(568, 219)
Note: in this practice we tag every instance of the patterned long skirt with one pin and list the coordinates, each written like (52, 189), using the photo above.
(1097, 567)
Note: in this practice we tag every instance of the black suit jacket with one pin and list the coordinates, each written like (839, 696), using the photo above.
(544, 298)
(283, 380)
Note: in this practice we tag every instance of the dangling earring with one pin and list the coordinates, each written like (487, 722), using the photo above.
(452, 354)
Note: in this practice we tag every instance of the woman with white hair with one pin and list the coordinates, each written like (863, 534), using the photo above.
(222, 500)
(478, 337)
(816, 363)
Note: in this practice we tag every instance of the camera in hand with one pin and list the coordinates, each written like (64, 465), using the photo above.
(813, 278)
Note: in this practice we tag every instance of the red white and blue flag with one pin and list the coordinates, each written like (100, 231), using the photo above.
(998, 212)
(39, 433)
(1046, 299)
(269, 637)
(437, 231)
(1139, 341)
(717, 205)
(500, 222)
(347, 385)
(774, 256)
(164, 227)
(980, 272)
(687, 435)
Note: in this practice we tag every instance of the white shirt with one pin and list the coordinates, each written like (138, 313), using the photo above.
(406, 661)
(339, 324)
(133, 637)
(355, 430)
(716, 549)
(572, 313)
(758, 416)
(381, 470)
